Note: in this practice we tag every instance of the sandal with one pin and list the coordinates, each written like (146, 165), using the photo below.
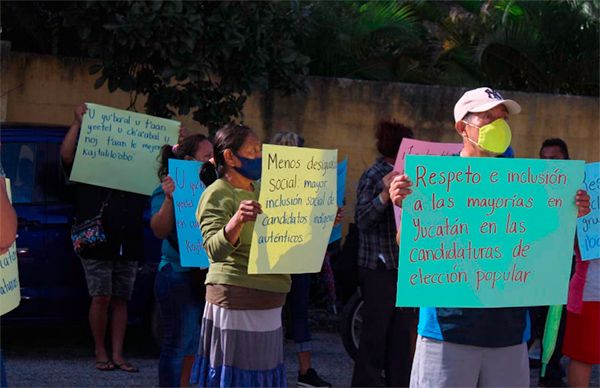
(105, 366)
(126, 367)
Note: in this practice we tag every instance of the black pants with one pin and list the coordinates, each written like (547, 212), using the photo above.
(386, 335)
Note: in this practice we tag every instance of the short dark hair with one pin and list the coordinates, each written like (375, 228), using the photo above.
(556, 142)
(389, 135)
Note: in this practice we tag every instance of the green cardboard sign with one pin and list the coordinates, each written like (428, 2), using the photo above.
(487, 232)
(119, 149)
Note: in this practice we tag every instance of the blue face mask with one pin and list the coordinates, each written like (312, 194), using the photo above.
(250, 168)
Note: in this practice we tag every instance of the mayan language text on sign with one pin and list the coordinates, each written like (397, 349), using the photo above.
(10, 289)
(487, 232)
(588, 227)
(188, 189)
(298, 195)
(419, 147)
(118, 148)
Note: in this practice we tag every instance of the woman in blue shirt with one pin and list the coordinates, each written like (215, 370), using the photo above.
(180, 301)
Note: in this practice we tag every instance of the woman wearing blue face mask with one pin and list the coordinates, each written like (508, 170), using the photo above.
(241, 341)
(178, 290)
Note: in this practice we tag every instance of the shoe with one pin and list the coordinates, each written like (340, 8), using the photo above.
(548, 382)
(311, 379)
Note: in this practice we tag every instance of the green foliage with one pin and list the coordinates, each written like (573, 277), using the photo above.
(535, 46)
(185, 56)
(368, 40)
(545, 46)
(200, 57)
(207, 57)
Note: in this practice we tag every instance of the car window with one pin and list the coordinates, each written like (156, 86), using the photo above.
(57, 186)
(19, 161)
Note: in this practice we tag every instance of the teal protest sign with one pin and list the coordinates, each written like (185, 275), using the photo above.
(188, 189)
(118, 148)
(588, 227)
(487, 232)
(342, 171)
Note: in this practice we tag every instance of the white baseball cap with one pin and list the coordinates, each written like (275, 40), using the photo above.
(480, 100)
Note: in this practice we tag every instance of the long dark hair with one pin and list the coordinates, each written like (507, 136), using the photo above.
(187, 147)
(231, 136)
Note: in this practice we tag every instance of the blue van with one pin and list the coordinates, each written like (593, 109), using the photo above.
(53, 287)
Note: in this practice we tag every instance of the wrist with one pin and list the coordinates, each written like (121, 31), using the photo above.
(383, 197)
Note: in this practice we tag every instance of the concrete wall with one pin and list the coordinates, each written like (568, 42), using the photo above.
(333, 113)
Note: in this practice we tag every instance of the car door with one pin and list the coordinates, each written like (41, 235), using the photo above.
(20, 157)
(68, 286)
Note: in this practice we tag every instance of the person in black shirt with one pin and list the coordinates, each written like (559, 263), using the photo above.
(110, 270)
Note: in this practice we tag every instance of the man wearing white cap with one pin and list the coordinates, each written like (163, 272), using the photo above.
(470, 347)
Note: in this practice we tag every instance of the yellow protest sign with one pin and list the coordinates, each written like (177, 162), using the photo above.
(10, 290)
(298, 196)
(119, 149)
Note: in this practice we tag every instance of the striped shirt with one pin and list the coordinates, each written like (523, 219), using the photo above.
(375, 221)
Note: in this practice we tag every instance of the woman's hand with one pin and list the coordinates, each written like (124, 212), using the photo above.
(582, 201)
(247, 212)
(400, 189)
(78, 113)
(168, 186)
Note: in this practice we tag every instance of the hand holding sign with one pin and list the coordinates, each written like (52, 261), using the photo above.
(185, 188)
(247, 212)
(299, 206)
(419, 147)
(118, 148)
(168, 186)
(399, 189)
(487, 232)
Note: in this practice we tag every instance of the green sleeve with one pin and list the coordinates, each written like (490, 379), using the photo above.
(214, 211)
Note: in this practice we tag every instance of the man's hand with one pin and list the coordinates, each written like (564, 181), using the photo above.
(582, 201)
(387, 180)
(400, 189)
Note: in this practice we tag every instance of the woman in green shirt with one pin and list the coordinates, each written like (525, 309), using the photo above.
(241, 341)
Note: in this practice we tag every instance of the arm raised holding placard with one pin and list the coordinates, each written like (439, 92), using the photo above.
(373, 199)
(163, 222)
(69, 144)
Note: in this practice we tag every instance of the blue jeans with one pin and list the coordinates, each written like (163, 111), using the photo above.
(298, 299)
(180, 305)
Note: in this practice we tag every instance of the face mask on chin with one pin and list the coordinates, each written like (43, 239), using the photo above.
(494, 138)
(250, 168)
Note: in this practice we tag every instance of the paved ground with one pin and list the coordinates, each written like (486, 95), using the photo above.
(60, 357)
